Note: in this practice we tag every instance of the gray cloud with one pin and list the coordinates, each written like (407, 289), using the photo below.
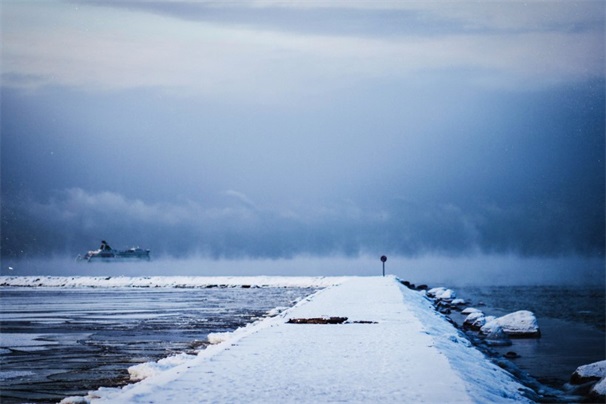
(377, 18)
(73, 221)
(309, 50)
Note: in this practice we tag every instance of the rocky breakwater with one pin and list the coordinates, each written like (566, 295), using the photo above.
(487, 331)
(587, 384)
(493, 330)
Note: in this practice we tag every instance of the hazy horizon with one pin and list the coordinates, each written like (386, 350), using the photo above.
(433, 271)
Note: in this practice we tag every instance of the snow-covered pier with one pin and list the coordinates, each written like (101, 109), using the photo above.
(393, 347)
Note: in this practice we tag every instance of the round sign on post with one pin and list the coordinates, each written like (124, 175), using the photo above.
(383, 259)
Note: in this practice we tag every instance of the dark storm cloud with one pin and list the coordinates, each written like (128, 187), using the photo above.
(504, 181)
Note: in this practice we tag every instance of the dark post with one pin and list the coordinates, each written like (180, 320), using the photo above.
(383, 259)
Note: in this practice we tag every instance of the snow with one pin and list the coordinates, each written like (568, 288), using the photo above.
(596, 369)
(519, 323)
(218, 337)
(474, 316)
(475, 320)
(168, 281)
(600, 387)
(409, 353)
(441, 293)
(149, 369)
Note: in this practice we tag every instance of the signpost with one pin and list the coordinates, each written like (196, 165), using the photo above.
(383, 259)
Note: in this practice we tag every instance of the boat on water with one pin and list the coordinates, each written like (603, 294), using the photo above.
(107, 254)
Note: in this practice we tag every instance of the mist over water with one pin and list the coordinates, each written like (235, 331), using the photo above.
(432, 270)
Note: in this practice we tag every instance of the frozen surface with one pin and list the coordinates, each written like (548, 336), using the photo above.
(168, 281)
(408, 354)
(13, 374)
(25, 342)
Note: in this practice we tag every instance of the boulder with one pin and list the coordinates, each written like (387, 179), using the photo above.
(474, 321)
(435, 291)
(512, 355)
(598, 392)
(592, 372)
(448, 294)
(442, 293)
(490, 318)
(520, 324)
(470, 310)
(458, 302)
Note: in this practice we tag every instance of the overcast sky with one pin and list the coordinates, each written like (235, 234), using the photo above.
(280, 129)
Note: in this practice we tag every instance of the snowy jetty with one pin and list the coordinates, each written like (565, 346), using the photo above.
(361, 340)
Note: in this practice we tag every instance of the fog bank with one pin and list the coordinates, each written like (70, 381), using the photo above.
(432, 270)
